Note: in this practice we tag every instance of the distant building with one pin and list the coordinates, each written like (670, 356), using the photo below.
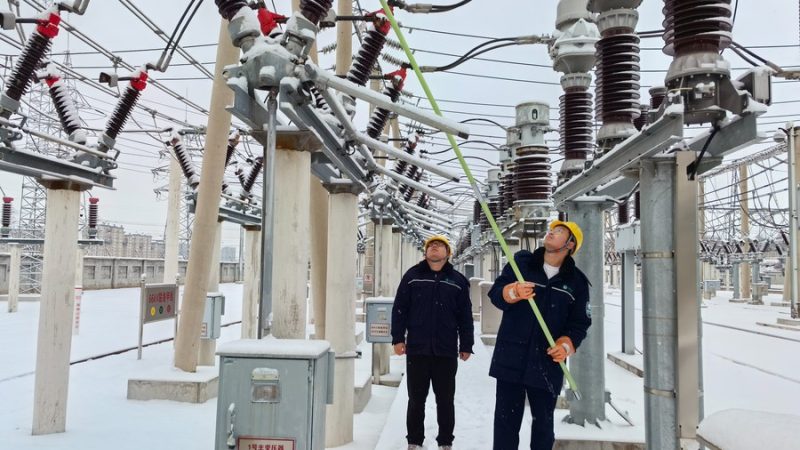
(229, 254)
(116, 243)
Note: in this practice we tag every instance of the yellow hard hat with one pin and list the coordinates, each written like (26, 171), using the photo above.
(439, 238)
(574, 229)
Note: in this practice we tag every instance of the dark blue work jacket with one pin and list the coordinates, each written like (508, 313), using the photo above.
(432, 312)
(520, 355)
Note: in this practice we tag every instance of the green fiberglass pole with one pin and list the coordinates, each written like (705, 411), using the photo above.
(475, 189)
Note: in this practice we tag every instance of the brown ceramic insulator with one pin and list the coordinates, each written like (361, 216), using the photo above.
(696, 26)
(7, 211)
(424, 201)
(640, 121)
(576, 116)
(532, 179)
(657, 95)
(509, 194)
(617, 83)
(622, 213)
(501, 197)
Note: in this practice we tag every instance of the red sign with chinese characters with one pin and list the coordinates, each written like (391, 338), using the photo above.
(253, 443)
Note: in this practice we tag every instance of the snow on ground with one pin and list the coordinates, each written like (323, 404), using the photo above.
(742, 370)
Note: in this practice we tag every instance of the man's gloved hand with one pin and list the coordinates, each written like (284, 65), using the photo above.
(516, 291)
(562, 349)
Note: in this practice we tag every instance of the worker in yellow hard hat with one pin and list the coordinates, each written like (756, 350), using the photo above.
(432, 326)
(437, 238)
(575, 235)
(523, 362)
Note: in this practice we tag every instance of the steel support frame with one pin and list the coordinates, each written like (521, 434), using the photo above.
(588, 364)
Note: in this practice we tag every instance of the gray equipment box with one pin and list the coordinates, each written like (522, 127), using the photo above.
(272, 394)
(212, 315)
(379, 320)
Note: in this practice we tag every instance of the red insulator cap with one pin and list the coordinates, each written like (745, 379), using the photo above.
(139, 82)
(49, 27)
(269, 20)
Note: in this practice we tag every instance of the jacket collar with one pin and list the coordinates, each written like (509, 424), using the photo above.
(423, 266)
(566, 270)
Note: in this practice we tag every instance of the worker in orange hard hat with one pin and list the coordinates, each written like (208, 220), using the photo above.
(432, 326)
(523, 362)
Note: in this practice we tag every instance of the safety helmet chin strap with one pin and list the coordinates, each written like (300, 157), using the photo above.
(569, 251)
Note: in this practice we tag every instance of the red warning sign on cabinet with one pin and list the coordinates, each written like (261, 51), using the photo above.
(253, 443)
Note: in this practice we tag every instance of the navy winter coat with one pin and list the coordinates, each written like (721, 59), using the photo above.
(432, 312)
(520, 355)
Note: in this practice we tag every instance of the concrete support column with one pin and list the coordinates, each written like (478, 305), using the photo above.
(628, 303)
(13, 277)
(397, 249)
(384, 279)
(384, 259)
(340, 310)
(485, 259)
(187, 342)
(755, 269)
(319, 248)
(688, 298)
(77, 292)
(172, 231)
(54, 342)
(735, 280)
(251, 282)
(659, 303)
(490, 314)
(475, 294)
(208, 347)
(588, 364)
(291, 246)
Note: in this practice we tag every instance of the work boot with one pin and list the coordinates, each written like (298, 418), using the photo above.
(414, 447)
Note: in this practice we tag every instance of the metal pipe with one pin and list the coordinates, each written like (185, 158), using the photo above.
(429, 220)
(377, 261)
(416, 185)
(423, 210)
(325, 80)
(267, 217)
(659, 304)
(793, 219)
(55, 139)
(628, 306)
(391, 151)
(339, 112)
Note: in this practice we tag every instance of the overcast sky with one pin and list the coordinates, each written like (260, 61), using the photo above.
(525, 69)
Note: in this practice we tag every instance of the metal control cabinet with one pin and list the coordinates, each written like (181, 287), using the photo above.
(212, 315)
(272, 394)
(379, 320)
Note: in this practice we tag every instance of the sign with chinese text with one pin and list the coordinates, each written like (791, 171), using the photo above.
(252, 443)
(159, 302)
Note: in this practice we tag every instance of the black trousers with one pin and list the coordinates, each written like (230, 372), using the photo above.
(421, 372)
(508, 409)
